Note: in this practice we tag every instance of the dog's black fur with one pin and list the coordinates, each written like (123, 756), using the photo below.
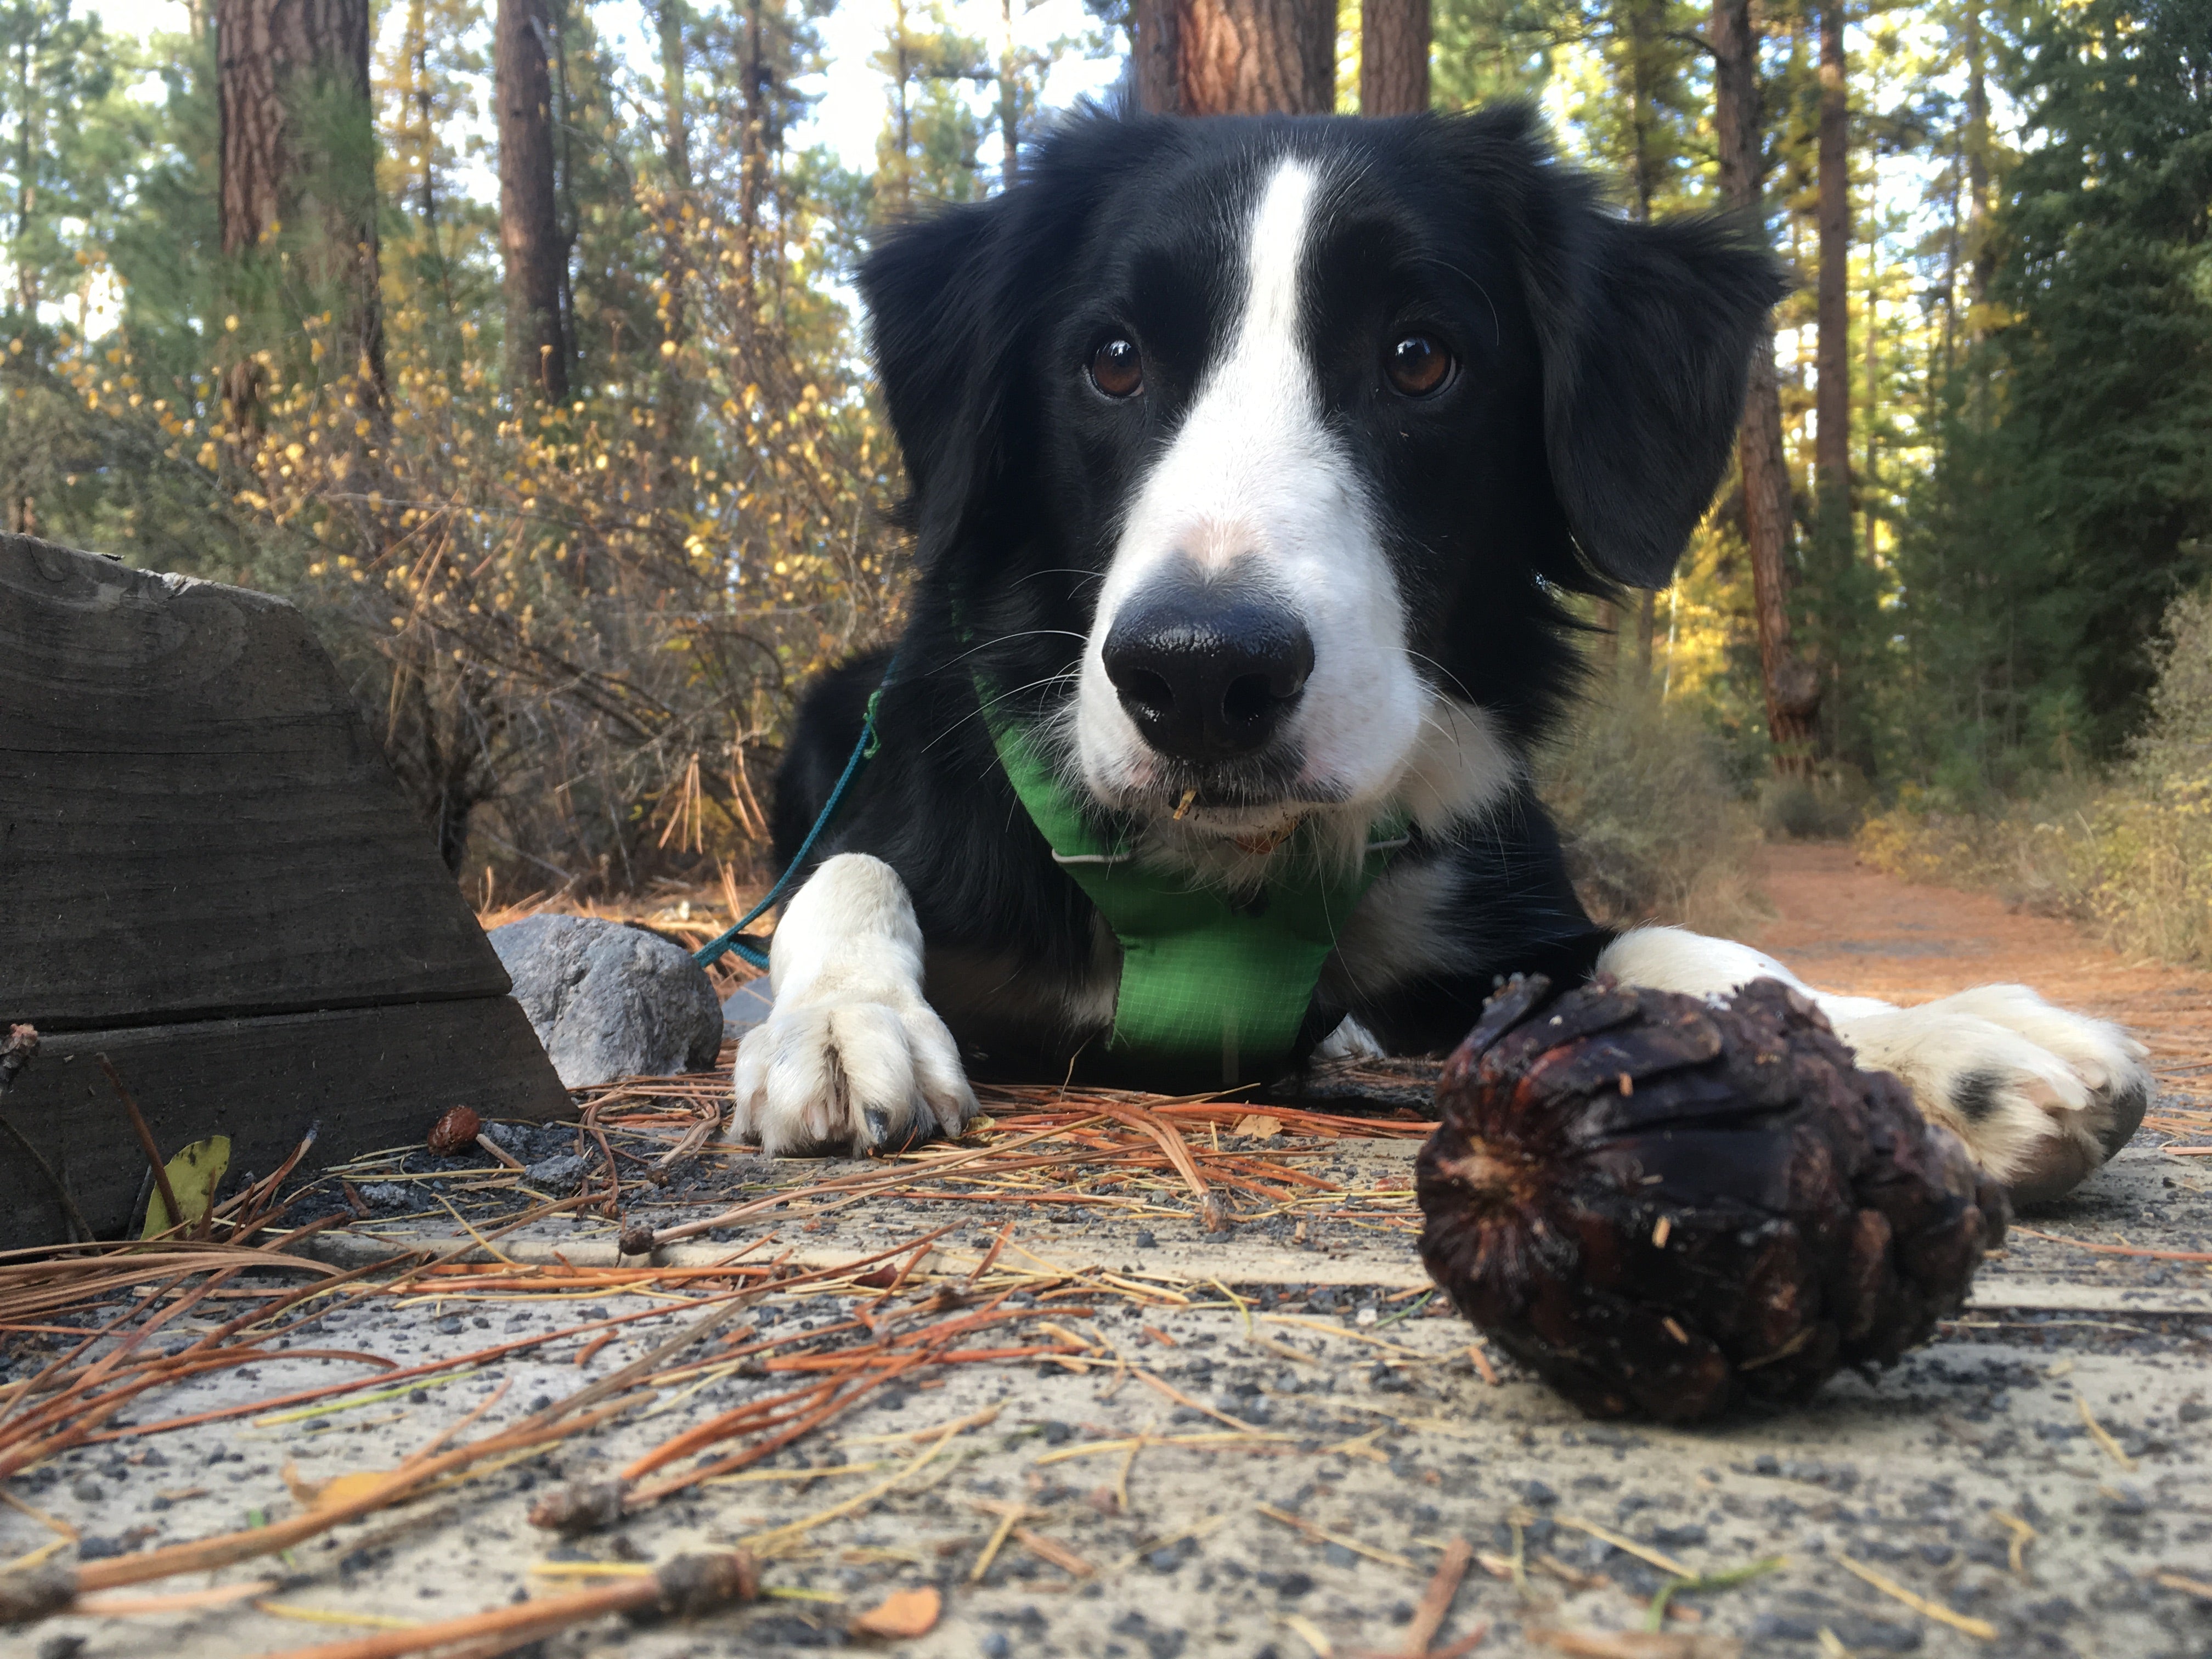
(1603, 369)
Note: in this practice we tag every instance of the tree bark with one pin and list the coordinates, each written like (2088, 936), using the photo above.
(1792, 688)
(297, 148)
(677, 153)
(1010, 101)
(1394, 57)
(671, 412)
(1155, 57)
(753, 157)
(1982, 265)
(1831, 443)
(1642, 26)
(529, 227)
(1255, 57)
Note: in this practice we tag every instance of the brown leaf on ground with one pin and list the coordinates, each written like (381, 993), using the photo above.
(317, 1494)
(903, 1613)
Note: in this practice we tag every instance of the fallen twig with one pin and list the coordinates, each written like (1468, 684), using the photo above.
(686, 1588)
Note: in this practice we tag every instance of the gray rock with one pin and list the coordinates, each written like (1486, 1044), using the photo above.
(747, 1006)
(513, 1139)
(562, 1173)
(609, 1000)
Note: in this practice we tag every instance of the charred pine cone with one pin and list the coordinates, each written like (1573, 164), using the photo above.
(1662, 1205)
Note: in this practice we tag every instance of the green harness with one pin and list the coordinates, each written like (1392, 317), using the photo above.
(1214, 985)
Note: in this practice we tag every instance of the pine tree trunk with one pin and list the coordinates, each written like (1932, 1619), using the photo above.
(297, 151)
(1009, 99)
(1642, 26)
(1394, 57)
(677, 153)
(671, 411)
(753, 159)
(1982, 265)
(1256, 57)
(1831, 458)
(1792, 688)
(1155, 57)
(529, 228)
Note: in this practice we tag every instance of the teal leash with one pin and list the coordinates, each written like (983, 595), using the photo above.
(752, 950)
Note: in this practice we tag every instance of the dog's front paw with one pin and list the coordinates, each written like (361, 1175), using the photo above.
(2041, 1097)
(1350, 1041)
(844, 1072)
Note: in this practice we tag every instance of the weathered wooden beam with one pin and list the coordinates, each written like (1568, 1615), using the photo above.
(194, 822)
(209, 873)
(370, 1076)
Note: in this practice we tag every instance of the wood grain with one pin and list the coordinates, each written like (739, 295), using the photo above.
(371, 1077)
(194, 822)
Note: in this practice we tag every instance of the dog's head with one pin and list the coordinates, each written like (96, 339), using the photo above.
(1267, 444)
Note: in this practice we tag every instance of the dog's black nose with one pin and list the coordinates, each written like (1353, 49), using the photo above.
(1208, 673)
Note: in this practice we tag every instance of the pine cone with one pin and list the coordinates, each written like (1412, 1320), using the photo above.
(1663, 1204)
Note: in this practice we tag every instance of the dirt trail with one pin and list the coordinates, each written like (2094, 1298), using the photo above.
(1844, 928)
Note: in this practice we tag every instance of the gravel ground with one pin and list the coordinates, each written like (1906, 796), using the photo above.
(1271, 1458)
(1378, 1442)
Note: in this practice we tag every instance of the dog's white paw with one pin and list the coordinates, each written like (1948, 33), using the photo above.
(852, 1058)
(2041, 1097)
(839, 1073)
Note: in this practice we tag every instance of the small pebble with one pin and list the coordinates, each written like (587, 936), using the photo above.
(994, 1645)
(86, 1489)
(562, 1174)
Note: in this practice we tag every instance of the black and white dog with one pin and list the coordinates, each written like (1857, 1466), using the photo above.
(1249, 461)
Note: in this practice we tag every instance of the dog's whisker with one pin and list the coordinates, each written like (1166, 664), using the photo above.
(984, 706)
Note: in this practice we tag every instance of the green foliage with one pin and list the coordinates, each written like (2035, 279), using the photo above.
(581, 629)
(2072, 494)
(931, 130)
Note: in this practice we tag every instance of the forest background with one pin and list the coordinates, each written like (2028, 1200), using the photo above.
(514, 340)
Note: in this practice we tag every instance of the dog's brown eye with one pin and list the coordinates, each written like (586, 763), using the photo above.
(1418, 366)
(1117, 369)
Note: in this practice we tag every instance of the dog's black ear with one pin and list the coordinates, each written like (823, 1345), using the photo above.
(959, 304)
(929, 286)
(1647, 332)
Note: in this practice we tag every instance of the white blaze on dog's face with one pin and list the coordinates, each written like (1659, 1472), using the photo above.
(1253, 505)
